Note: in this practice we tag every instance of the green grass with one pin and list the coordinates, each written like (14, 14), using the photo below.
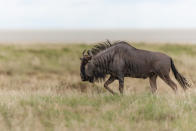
(40, 89)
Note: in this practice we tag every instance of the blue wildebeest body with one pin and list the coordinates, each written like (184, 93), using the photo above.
(121, 60)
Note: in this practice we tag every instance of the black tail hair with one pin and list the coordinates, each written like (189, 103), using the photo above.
(181, 79)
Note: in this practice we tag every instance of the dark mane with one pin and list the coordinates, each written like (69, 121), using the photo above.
(104, 45)
(100, 47)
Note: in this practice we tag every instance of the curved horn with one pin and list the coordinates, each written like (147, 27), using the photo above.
(83, 52)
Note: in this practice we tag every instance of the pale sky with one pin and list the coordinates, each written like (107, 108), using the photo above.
(97, 14)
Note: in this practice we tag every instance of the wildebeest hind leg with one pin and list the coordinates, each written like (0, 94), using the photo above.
(168, 80)
(109, 81)
(153, 83)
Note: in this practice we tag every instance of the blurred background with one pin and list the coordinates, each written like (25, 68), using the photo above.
(86, 21)
(41, 42)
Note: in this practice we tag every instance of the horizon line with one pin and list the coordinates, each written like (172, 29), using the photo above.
(89, 29)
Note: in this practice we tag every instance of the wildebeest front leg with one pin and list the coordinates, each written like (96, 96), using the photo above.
(153, 83)
(109, 81)
(121, 85)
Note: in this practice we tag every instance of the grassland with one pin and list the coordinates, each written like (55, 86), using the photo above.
(40, 89)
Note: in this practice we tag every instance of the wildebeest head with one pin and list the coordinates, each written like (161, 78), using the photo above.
(86, 67)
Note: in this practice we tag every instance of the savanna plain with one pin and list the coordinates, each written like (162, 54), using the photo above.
(41, 89)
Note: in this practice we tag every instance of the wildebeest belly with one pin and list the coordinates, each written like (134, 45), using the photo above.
(139, 73)
(144, 76)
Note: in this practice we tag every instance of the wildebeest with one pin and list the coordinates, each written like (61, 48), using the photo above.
(121, 60)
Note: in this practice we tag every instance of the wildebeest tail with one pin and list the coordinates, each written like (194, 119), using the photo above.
(181, 79)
